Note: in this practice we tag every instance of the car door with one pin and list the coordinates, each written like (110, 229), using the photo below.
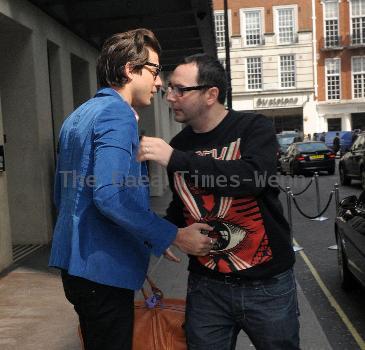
(355, 243)
(357, 154)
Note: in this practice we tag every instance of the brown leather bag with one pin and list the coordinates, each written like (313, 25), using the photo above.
(159, 322)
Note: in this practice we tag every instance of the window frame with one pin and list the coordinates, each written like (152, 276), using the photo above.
(324, 22)
(246, 73)
(362, 39)
(339, 80)
(352, 77)
(276, 22)
(221, 12)
(279, 71)
(243, 12)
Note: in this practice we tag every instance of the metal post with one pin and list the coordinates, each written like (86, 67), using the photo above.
(337, 197)
(317, 192)
(289, 194)
(228, 56)
(337, 203)
(320, 218)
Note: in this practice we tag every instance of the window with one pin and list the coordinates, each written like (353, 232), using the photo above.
(331, 24)
(358, 77)
(254, 73)
(333, 78)
(287, 71)
(252, 27)
(286, 25)
(358, 21)
(219, 29)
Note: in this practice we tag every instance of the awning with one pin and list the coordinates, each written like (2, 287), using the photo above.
(183, 27)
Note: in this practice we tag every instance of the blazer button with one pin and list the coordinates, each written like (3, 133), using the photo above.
(147, 244)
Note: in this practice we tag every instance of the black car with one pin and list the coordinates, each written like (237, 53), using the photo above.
(350, 237)
(302, 157)
(352, 164)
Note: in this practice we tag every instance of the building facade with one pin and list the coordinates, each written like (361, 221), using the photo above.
(302, 63)
(341, 64)
(271, 59)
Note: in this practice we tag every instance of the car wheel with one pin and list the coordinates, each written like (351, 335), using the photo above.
(344, 179)
(347, 279)
(331, 172)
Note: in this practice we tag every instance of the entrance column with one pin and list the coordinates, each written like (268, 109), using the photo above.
(346, 122)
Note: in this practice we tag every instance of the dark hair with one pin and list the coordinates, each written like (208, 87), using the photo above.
(210, 72)
(120, 48)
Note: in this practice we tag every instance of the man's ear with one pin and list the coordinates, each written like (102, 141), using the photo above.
(128, 70)
(212, 94)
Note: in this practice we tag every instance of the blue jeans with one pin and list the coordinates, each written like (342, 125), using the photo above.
(267, 310)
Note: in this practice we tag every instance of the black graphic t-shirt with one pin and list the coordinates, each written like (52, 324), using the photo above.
(226, 178)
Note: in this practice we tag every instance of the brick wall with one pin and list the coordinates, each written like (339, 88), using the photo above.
(304, 12)
(344, 54)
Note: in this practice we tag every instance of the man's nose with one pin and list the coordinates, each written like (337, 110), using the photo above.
(158, 82)
(170, 96)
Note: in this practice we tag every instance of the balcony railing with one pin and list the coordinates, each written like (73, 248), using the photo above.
(331, 43)
(253, 40)
(357, 40)
(294, 39)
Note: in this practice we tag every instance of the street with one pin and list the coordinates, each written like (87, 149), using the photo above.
(341, 314)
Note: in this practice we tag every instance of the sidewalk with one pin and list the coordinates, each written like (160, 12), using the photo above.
(34, 314)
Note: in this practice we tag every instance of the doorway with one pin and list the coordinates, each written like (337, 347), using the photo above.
(334, 124)
(358, 121)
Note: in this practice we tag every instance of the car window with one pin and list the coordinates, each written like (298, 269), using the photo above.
(312, 147)
(283, 141)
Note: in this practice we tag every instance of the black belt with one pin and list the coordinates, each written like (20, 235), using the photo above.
(232, 279)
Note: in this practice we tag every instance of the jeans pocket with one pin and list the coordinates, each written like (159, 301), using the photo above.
(280, 285)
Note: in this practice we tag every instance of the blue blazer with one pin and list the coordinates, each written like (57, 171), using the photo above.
(105, 231)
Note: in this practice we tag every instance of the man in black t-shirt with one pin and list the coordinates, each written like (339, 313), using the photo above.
(221, 169)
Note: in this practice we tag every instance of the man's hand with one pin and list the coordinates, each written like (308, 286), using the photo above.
(154, 148)
(191, 241)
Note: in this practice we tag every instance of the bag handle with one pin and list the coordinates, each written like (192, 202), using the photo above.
(157, 292)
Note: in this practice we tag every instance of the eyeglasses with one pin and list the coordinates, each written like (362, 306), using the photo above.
(156, 72)
(179, 90)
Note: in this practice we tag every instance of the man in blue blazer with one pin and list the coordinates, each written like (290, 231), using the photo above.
(105, 231)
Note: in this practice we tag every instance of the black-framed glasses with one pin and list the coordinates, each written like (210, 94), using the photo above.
(179, 90)
(156, 72)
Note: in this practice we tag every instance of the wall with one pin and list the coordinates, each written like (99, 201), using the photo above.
(5, 231)
(25, 89)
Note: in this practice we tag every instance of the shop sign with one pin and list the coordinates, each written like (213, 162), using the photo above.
(276, 102)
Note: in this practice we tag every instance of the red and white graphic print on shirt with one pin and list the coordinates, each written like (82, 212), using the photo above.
(241, 240)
